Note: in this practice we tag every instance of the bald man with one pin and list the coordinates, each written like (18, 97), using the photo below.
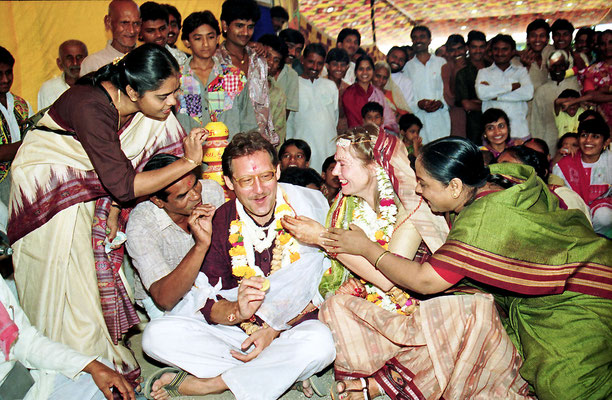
(71, 56)
(123, 20)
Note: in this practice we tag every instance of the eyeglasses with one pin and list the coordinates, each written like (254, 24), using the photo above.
(249, 180)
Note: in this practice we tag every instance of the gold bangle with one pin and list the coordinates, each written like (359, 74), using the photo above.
(384, 253)
(191, 161)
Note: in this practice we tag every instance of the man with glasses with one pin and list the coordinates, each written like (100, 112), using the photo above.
(251, 324)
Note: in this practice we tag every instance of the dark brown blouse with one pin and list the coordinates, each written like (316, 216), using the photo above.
(88, 112)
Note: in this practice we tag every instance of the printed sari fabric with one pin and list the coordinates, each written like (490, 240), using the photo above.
(551, 275)
(452, 347)
(57, 226)
(598, 76)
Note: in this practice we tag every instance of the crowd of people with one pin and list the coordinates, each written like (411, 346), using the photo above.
(432, 225)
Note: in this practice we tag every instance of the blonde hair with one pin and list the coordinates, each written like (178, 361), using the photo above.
(362, 139)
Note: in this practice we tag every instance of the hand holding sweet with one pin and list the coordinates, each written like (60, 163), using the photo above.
(250, 297)
(200, 224)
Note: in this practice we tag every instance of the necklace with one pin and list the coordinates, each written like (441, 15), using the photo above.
(246, 237)
(241, 58)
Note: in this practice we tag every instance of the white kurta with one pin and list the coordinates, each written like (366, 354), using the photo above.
(498, 93)
(427, 84)
(316, 120)
(405, 85)
(51, 90)
(46, 359)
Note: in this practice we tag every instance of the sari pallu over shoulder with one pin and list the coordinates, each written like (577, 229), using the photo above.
(54, 173)
(519, 240)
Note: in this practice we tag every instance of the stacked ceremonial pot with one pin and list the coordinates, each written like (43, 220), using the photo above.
(213, 150)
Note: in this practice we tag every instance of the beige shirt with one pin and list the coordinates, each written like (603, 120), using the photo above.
(96, 60)
(156, 244)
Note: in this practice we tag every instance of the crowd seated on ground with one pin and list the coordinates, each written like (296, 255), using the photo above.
(428, 225)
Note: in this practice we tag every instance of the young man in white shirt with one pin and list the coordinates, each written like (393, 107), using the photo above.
(506, 86)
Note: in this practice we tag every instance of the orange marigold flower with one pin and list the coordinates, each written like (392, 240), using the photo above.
(284, 238)
(237, 251)
(243, 270)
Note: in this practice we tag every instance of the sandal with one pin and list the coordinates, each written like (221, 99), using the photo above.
(335, 395)
(316, 384)
(170, 388)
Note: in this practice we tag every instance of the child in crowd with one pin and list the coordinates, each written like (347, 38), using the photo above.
(589, 172)
(305, 177)
(566, 118)
(410, 127)
(372, 113)
(317, 119)
(331, 183)
(294, 153)
(566, 146)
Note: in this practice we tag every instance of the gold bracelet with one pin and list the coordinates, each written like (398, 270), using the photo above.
(191, 161)
(384, 253)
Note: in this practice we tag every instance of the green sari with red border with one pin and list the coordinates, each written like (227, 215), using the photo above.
(551, 275)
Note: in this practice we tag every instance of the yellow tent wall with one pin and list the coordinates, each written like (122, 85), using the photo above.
(33, 30)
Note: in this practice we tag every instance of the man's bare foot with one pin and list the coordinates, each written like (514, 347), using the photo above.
(307, 388)
(352, 389)
(191, 386)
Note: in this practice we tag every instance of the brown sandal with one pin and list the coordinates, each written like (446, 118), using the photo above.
(335, 395)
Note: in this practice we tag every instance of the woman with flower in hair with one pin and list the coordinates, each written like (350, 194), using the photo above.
(210, 89)
(377, 195)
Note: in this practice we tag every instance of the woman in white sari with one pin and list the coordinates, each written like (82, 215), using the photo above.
(83, 159)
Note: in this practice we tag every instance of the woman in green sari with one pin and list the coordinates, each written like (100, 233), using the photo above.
(549, 273)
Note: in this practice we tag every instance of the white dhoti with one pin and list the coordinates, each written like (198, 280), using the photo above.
(203, 350)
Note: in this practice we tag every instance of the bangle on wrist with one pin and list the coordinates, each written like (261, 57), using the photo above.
(191, 161)
(116, 206)
(384, 253)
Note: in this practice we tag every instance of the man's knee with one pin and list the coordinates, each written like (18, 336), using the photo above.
(318, 342)
(156, 336)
